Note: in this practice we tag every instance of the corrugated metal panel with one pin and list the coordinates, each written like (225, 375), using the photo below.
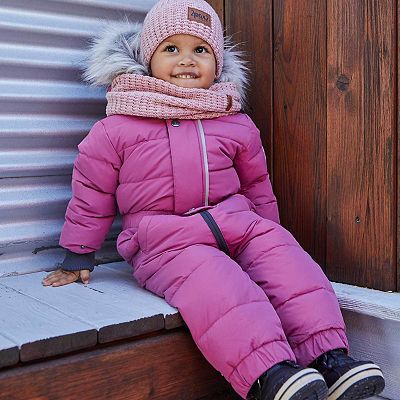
(45, 111)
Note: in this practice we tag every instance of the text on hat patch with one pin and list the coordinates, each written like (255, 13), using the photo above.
(199, 16)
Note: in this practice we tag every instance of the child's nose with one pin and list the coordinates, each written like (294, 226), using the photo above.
(186, 60)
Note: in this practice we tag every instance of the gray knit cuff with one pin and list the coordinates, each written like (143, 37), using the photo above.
(76, 262)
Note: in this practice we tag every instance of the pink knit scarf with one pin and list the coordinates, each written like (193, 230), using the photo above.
(146, 96)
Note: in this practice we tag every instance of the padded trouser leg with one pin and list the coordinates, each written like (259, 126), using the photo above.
(230, 318)
(298, 289)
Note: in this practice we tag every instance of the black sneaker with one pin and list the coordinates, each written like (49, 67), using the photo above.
(289, 381)
(348, 379)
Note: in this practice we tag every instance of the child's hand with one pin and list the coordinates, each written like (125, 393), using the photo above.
(62, 277)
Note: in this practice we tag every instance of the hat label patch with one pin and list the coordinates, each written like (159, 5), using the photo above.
(199, 16)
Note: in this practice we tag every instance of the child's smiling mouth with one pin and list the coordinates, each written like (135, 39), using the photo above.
(186, 76)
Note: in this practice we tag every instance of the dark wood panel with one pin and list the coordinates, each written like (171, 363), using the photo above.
(397, 154)
(250, 22)
(361, 139)
(300, 120)
(229, 394)
(218, 6)
(164, 367)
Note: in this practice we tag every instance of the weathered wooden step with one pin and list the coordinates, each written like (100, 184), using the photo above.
(164, 367)
(46, 321)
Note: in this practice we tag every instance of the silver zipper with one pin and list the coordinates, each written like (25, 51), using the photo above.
(205, 159)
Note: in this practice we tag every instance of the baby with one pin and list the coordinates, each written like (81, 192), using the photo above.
(187, 170)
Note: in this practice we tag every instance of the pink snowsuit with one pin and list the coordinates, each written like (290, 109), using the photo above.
(267, 302)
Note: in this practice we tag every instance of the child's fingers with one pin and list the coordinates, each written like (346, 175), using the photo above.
(85, 274)
(60, 277)
(56, 272)
(53, 276)
(65, 280)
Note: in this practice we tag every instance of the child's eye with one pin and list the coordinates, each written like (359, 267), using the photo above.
(201, 48)
(168, 48)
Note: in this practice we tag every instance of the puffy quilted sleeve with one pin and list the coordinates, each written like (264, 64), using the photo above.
(251, 166)
(92, 207)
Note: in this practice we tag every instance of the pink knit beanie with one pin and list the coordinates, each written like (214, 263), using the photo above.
(191, 17)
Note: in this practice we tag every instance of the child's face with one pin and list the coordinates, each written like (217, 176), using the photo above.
(181, 55)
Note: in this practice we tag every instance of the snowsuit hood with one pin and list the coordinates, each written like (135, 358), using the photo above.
(115, 50)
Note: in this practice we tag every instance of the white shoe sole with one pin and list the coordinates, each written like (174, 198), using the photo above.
(359, 383)
(306, 382)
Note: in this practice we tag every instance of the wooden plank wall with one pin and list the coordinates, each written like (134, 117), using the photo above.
(361, 134)
(258, 54)
(396, 153)
(324, 95)
(300, 121)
